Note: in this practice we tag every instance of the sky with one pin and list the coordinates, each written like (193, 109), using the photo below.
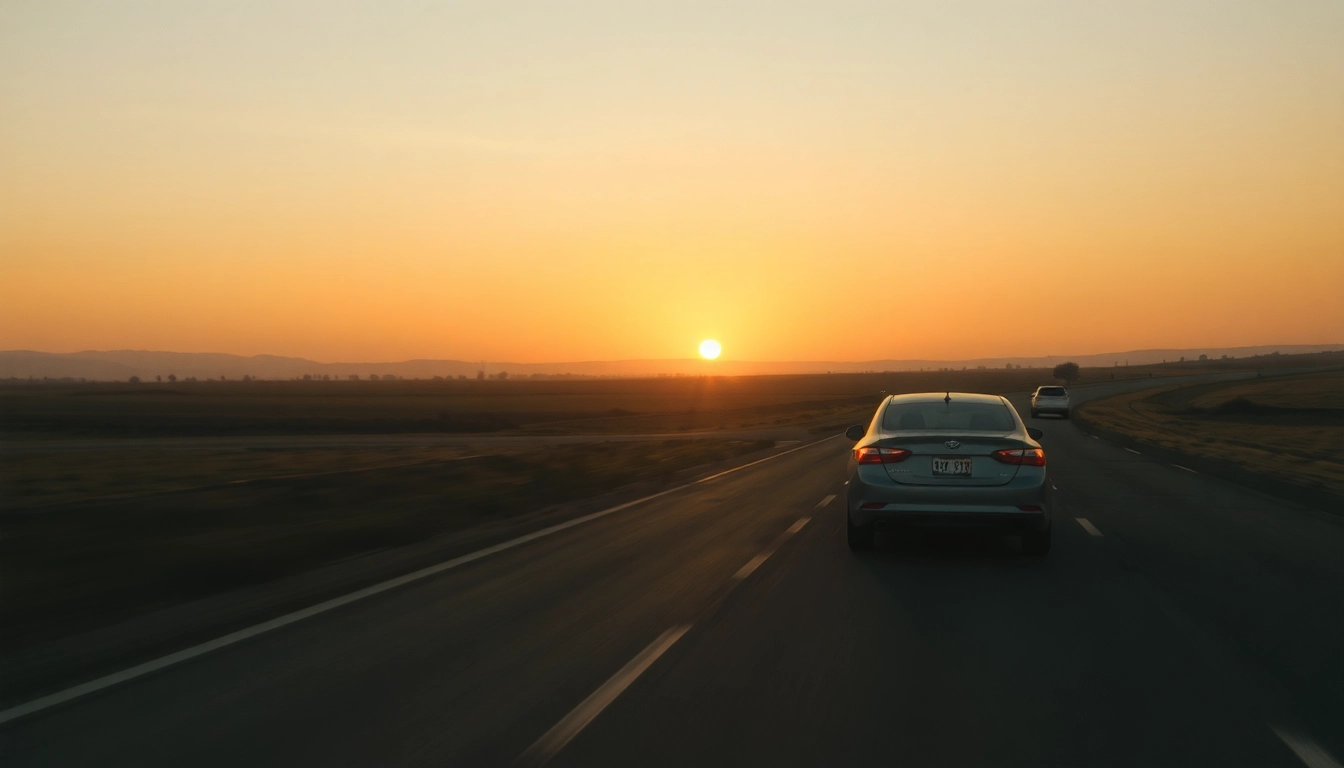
(548, 181)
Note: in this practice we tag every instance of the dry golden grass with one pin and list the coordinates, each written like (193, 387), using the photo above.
(105, 558)
(1324, 390)
(42, 479)
(658, 405)
(1289, 428)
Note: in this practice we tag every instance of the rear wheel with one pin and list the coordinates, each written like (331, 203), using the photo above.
(860, 537)
(1036, 543)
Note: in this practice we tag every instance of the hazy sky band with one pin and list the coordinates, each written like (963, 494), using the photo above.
(548, 181)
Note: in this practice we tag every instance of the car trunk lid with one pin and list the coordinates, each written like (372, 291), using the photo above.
(952, 460)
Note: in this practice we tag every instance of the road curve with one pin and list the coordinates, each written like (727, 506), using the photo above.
(1179, 620)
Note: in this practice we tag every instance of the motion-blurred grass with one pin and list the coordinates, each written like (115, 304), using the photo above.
(86, 564)
(36, 479)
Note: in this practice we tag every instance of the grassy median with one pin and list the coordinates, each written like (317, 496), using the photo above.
(1289, 428)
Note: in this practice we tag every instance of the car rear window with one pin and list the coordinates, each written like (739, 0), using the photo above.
(948, 417)
(1053, 392)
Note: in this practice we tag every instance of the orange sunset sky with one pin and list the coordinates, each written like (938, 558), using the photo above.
(542, 182)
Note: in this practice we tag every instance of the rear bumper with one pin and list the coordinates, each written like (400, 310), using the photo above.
(873, 498)
(1050, 408)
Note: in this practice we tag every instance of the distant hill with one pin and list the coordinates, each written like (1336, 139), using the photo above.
(119, 365)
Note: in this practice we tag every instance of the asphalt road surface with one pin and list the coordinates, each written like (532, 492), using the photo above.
(1179, 620)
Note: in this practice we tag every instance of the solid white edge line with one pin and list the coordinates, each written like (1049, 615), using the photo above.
(751, 566)
(825, 501)
(116, 678)
(572, 724)
(1088, 526)
(1187, 469)
(1309, 752)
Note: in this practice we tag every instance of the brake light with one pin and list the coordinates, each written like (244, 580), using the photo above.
(1027, 457)
(871, 454)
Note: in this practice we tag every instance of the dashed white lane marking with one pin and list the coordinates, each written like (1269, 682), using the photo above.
(1053, 486)
(1187, 469)
(756, 561)
(1309, 752)
(1131, 450)
(1088, 526)
(1094, 437)
(116, 678)
(825, 501)
(751, 565)
(562, 732)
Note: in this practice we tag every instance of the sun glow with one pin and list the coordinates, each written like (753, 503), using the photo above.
(710, 349)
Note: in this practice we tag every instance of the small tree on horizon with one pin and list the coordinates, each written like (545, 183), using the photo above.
(1067, 371)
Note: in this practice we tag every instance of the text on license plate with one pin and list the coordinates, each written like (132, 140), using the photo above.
(951, 466)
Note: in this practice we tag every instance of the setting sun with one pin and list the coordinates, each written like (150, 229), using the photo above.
(710, 349)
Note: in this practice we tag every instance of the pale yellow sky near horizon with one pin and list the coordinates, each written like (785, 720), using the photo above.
(545, 182)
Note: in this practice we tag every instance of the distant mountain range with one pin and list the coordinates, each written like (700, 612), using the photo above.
(120, 365)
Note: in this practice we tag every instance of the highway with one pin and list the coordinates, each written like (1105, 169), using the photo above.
(1179, 620)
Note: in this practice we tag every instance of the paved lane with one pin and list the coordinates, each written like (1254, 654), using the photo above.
(1190, 622)
(1194, 624)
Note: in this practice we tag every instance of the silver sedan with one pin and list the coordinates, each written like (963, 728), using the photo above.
(948, 460)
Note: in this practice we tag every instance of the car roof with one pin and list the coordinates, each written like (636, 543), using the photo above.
(929, 397)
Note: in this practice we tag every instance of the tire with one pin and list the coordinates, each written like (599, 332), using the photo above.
(1036, 543)
(860, 537)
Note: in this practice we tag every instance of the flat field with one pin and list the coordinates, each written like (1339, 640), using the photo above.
(599, 406)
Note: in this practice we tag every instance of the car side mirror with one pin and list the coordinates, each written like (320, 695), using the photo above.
(1035, 433)
(856, 433)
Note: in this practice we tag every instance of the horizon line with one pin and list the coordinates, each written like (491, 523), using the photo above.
(691, 359)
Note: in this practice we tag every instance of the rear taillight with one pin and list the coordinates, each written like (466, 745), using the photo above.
(1027, 457)
(871, 454)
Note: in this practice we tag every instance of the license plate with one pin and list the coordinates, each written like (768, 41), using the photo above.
(952, 467)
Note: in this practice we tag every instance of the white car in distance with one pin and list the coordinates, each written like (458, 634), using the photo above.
(1050, 400)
